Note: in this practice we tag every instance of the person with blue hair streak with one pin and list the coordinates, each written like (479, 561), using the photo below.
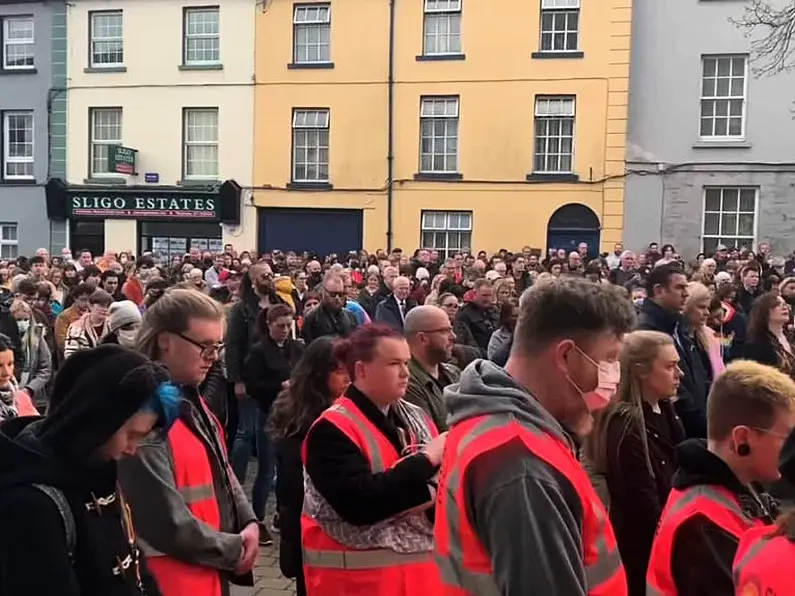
(65, 527)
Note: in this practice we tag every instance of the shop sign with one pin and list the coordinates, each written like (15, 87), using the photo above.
(132, 206)
(121, 160)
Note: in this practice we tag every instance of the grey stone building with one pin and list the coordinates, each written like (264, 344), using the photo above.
(711, 147)
(26, 94)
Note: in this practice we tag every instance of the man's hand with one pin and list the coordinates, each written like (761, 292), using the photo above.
(240, 390)
(250, 536)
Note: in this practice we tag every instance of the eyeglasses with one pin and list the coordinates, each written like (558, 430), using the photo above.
(335, 294)
(771, 432)
(444, 330)
(208, 352)
(451, 305)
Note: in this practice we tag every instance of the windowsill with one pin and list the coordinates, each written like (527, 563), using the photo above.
(557, 55)
(18, 71)
(30, 182)
(197, 182)
(727, 144)
(541, 178)
(109, 181)
(310, 65)
(438, 176)
(201, 67)
(439, 57)
(98, 69)
(318, 186)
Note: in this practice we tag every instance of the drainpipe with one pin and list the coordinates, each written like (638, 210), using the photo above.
(390, 154)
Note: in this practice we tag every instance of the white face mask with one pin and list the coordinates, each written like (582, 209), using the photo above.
(127, 337)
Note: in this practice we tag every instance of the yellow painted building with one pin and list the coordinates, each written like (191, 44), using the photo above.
(501, 117)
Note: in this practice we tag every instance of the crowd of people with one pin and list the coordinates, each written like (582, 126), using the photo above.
(560, 423)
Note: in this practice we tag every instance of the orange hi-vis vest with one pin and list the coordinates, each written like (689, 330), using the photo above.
(334, 569)
(761, 567)
(193, 476)
(463, 560)
(716, 503)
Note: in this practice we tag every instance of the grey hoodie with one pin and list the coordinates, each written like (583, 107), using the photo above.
(526, 514)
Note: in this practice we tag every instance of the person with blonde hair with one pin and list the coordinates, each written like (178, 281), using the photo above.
(715, 496)
(633, 446)
(705, 340)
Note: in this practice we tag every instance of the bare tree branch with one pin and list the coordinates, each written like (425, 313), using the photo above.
(772, 34)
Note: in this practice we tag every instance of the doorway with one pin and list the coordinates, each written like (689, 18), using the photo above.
(572, 224)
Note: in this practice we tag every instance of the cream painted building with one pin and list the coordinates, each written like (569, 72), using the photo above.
(172, 81)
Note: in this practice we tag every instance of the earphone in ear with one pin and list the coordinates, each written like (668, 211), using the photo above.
(743, 450)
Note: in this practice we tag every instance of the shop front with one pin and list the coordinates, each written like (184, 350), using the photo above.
(165, 220)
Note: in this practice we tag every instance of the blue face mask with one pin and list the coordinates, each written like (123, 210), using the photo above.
(23, 326)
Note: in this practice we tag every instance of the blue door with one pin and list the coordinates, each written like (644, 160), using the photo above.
(322, 231)
(572, 224)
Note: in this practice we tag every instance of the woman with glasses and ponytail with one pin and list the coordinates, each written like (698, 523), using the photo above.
(716, 497)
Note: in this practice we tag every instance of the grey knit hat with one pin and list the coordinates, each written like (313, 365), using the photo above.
(123, 313)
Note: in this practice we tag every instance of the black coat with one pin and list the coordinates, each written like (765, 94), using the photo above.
(241, 334)
(290, 500)
(267, 367)
(322, 322)
(477, 323)
(388, 312)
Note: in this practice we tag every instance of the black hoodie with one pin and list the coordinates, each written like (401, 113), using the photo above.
(95, 392)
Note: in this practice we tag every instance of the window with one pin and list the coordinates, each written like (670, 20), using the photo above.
(723, 97)
(8, 241)
(442, 27)
(200, 134)
(17, 47)
(18, 146)
(310, 145)
(311, 33)
(446, 231)
(107, 39)
(554, 123)
(729, 217)
(105, 131)
(202, 36)
(439, 135)
(560, 24)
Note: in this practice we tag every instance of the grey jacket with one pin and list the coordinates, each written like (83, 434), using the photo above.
(162, 520)
(500, 346)
(527, 515)
(39, 366)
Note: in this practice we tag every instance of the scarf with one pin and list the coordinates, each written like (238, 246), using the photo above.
(8, 405)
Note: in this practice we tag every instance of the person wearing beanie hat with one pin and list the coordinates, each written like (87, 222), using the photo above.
(124, 319)
(66, 527)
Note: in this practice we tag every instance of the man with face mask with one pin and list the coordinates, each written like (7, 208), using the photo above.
(511, 483)
(124, 319)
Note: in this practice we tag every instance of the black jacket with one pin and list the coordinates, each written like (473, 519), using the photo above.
(703, 553)
(478, 323)
(322, 321)
(34, 552)
(241, 334)
(290, 501)
(267, 367)
(691, 404)
(388, 311)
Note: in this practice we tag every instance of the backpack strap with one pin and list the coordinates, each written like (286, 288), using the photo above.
(62, 504)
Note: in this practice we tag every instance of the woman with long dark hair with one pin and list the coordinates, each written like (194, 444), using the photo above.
(316, 381)
(767, 341)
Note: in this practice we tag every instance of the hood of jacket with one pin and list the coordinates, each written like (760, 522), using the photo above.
(485, 388)
(23, 458)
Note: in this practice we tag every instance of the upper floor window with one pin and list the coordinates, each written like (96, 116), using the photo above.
(439, 135)
(442, 27)
(17, 135)
(106, 39)
(560, 23)
(202, 36)
(17, 48)
(200, 134)
(105, 131)
(310, 145)
(723, 89)
(554, 135)
(311, 33)
(9, 241)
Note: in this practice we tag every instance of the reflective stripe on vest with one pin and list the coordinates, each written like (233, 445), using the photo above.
(361, 559)
(752, 553)
(607, 560)
(374, 452)
(196, 494)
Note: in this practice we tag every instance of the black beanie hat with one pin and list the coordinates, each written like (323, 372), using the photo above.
(95, 392)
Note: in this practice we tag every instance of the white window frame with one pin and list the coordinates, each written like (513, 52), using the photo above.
(562, 103)
(302, 22)
(305, 121)
(9, 248)
(10, 43)
(731, 97)
(94, 40)
(189, 37)
(433, 109)
(26, 159)
(554, 8)
(95, 144)
(733, 238)
(436, 12)
(189, 144)
(429, 224)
